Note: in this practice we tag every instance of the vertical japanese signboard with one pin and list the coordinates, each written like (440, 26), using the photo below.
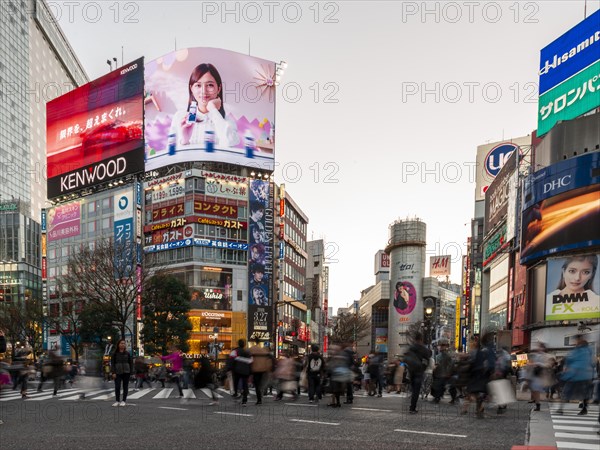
(261, 222)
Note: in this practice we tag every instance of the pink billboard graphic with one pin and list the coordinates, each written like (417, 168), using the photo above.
(64, 221)
(405, 297)
(208, 104)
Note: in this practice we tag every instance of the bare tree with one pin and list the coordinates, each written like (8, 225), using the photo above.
(107, 274)
(350, 328)
(67, 322)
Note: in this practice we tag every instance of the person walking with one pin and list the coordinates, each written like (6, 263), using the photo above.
(339, 374)
(54, 369)
(417, 359)
(204, 378)
(442, 372)
(315, 369)
(141, 373)
(176, 360)
(262, 364)
(239, 364)
(121, 367)
(483, 364)
(376, 372)
(578, 374)
(539, 381)
(349, 362)
(285, 373)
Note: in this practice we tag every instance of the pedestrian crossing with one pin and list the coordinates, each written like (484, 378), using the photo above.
(74, 393)
(573, 431)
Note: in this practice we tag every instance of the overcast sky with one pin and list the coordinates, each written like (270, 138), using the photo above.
(380, 110)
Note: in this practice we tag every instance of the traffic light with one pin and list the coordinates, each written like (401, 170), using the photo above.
(291, 333)
(428, 308)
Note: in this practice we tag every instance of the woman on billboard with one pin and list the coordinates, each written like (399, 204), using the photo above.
(203, 122)
(577, 277)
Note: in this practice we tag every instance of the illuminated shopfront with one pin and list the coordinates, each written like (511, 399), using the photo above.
(215, 326)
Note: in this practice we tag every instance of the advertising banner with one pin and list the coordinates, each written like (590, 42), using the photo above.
(491, 158)
(64, 221)
(208, 104)
(573, 288)
(381, 338)
(260, 261)
(166, 212)
(226, 189)
(570, 53)
(494, 245)
(496, 197)
(572, 98)
(215, 209)
(95, 133)
(123, 232)
(439, 266)
(561, 208)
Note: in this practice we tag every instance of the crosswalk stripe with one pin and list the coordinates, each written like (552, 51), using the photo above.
(87, 394)
(140, 393)
(576, 445)
(207, 392)
(49, 396)
(189, 393)
(570, 428)
(164, 393)
(590, 421)
(591, 437)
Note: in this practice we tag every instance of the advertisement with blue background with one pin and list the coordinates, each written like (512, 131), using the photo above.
(570, 53)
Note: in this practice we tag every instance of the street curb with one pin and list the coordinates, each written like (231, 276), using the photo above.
(540, 430)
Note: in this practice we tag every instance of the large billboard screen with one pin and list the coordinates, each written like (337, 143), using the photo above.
(561, 209)
(208, 104)
(95, 133)
(573, 288)
(570, 53)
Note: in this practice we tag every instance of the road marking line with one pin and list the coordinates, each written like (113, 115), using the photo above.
(235, 414)
(577, 445)
(435, 434)
(140, 393)
(314, 421)
(164, 393)
(168, 407)
(299, 404)
(570, 428)
(373, 409)
(590, 421)
(591, 437)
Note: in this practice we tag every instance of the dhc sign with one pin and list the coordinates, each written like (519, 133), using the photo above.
(497, 157)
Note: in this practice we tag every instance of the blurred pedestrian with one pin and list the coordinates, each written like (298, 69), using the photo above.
(205, 379)
(239, 363)
(503, 370)
(539, 370)
(176, 360)
(376, 372)
(262, 363)
(315, 370)
(53, 369)
(141, 372)
(350, 362)
(417, 358)
(442, 372)
(121, 367)
(483, 364)
(339, 375)
(286, 377)
(578, 374)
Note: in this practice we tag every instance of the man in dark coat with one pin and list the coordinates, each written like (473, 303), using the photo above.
(417, 359)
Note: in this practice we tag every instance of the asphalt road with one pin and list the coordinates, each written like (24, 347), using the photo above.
(369, 423)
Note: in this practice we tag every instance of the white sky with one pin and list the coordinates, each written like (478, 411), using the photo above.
(478, 60)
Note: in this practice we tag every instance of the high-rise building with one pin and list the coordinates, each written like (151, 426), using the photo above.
(36, 65)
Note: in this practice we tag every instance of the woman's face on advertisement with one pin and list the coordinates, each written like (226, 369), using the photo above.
(577, 274)
(205, 90)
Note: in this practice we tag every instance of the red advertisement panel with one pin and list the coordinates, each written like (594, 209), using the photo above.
(95, 133)
(215, 209)
(166, 212)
